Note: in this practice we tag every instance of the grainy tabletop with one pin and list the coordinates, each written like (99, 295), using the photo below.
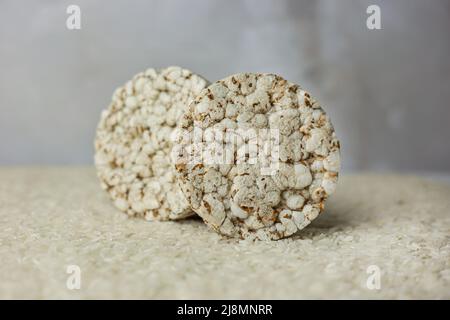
(53, 220)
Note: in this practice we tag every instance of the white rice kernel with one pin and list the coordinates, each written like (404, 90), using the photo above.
(295, 201)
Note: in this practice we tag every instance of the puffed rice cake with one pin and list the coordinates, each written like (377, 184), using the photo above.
(244, 199)
(133, 143)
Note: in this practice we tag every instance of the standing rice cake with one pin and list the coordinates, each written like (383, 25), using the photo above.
(133, 143)
(256, 156)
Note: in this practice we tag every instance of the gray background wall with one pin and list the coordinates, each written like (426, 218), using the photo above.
(388, 90)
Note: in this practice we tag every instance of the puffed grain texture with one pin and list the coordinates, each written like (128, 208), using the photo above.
(235, 198)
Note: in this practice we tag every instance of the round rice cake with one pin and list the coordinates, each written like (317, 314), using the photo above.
(133, 143)
(256, 156)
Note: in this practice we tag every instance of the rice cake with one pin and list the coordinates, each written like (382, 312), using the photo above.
(227, 141)
(133, 143)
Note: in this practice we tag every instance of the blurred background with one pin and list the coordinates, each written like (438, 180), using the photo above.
(387, 91)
